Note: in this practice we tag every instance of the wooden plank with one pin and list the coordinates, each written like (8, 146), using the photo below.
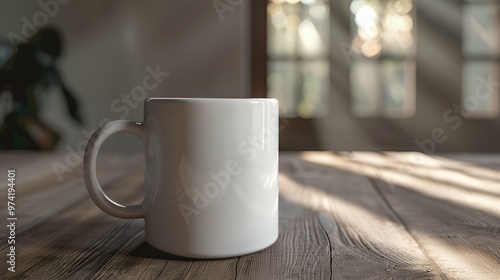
(138, 260)
(127, 264)
(182, 268)
(15, 158)
(458, 228)
(29, 166)
(427, 174)
(367, 239)
(35, 168)
(476, 173)
(38, 200)
(484, 160)
(75, 243)
(301, 251)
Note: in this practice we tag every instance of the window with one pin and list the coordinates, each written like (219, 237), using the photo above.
(382, 70)
(345, 72)
(383, 67)
(481, 51)
(298, 56)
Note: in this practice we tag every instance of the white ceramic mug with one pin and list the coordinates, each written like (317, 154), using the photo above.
(211, 175)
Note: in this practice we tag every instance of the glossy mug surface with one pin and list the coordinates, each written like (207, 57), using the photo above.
(211, 175)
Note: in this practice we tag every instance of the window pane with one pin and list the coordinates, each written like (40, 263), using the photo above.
(482, 29)
(313, 31)
(283, 20)
(365, 89)
(298, 28)
(383, 88)
(480, 89)
(313, 100)
(398, 88)
(382, 26)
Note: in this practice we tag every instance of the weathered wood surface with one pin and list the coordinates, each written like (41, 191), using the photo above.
(342, 215)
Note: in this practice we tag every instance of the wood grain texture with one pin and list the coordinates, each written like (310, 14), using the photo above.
(451, 208)
(71, 244)
(29, 167)
(138, 260)
(456, 219)
(366, 239)
(301, 249)
(342, 215)
(45, 195)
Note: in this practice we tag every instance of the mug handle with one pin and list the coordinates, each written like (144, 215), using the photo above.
(89, 168)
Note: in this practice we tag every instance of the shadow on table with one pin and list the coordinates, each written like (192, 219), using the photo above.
(147, 251)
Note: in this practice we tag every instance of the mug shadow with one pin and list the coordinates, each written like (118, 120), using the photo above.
(147, 251)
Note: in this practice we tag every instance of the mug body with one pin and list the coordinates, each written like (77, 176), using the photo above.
(211, 177)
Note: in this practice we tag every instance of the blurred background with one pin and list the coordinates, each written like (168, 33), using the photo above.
(350, 75)
(107, 46)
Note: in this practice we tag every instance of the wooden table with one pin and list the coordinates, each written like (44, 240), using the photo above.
(342, 215)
